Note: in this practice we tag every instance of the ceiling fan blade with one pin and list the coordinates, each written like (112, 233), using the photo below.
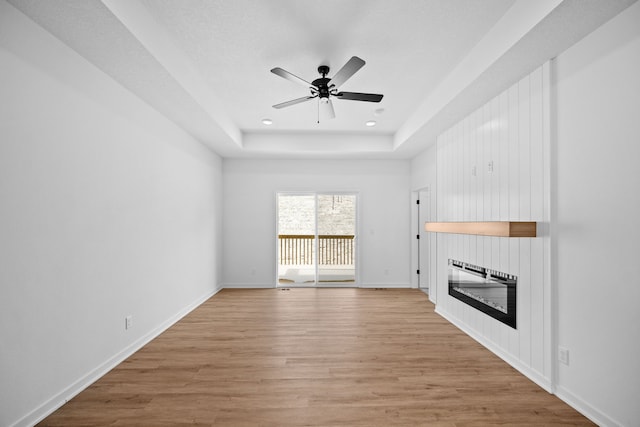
(292, 77)
(327, 108)
(347, 70)
(356, 96)
(293, 102)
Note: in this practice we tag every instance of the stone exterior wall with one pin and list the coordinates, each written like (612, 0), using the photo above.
(336, 214)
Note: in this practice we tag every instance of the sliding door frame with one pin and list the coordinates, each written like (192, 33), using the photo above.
(356, 254)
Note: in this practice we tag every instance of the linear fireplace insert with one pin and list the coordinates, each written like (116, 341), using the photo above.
(489, 291)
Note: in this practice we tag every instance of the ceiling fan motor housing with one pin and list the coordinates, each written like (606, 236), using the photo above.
(323, 82)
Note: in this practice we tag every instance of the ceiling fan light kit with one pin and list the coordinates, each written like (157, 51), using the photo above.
(324, 87)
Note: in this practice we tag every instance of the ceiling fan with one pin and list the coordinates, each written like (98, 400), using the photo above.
(324, 87)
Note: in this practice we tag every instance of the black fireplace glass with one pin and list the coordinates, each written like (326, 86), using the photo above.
(490, 291)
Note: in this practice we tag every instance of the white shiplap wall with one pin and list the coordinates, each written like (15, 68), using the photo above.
(492, 166)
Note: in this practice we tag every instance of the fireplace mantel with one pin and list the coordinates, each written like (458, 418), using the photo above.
(490, 228)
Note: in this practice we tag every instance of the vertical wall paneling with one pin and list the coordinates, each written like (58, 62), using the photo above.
(487, 193)
(524, 196)
(514, 268)
(479, 182)
(536, 166)
(473, 181)
(547, 317)
(480, 154)
(457, 152)
(466, 167)
(503, 174)
(464, 173)
(492, 166)
(440, 164)
(449, 175)
(433, 253)
(503, 189)
(514, 204)
(524, 302)
(524, 141)
(460, 183)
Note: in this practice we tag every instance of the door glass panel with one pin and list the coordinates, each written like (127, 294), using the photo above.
(336, 238)
(296, 239)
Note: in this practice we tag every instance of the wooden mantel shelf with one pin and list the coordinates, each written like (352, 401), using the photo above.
(492, 228)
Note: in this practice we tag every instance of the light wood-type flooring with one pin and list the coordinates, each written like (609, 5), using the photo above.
(319, 357)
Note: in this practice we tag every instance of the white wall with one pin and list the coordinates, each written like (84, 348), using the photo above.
(585, 190)
(424, 179)
(511, 133)
(106, 210)
(423, 169)
(250, 188)
(596, 224)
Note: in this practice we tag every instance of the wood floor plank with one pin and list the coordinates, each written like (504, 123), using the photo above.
(314, 357)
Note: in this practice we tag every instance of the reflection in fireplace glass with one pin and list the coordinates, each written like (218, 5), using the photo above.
(490, 291)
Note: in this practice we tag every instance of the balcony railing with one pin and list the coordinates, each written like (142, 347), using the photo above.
(297, 249)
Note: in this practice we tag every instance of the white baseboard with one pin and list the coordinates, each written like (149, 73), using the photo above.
(566, 396)
(432, 298)
(74, 389)
(248, 286)
(585, 409)
(321, 285)
(533, 375)
(328, 285)
(386, 285)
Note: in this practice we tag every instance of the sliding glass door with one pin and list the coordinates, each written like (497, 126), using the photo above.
(316, 239)
(336, 215)
(296, 239)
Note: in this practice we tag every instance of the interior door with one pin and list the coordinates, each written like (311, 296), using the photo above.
(424, 242)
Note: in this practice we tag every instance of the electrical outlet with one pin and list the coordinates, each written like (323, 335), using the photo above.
(128, 322)
(490, 167)
(563, 355)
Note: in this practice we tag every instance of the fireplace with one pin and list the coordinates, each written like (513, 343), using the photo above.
(489, 291)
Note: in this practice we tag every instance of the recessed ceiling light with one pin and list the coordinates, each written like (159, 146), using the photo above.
(371, 123)
(267, 122)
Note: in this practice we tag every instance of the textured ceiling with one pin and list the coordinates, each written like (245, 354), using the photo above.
(205, 63)
(236, 43)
